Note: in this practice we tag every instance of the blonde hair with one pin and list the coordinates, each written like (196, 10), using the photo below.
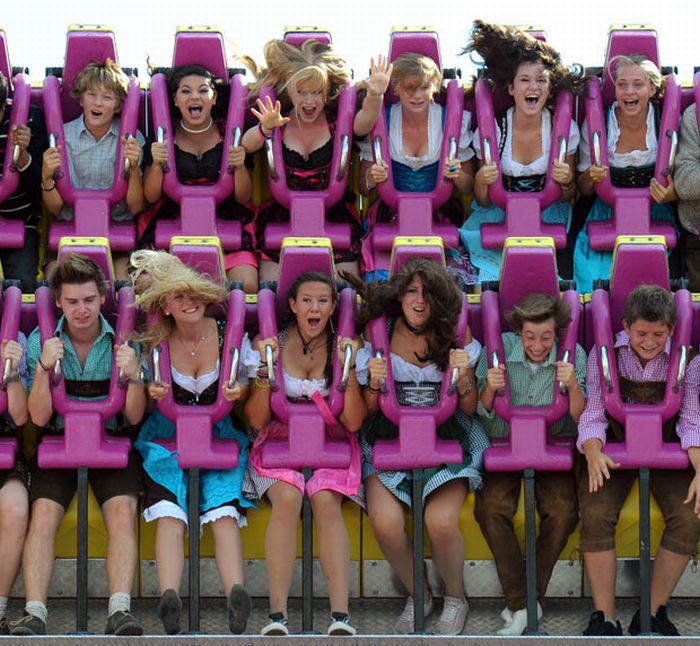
(313, 63)
(418, 65)
(108, 75)
(158, 275)
(647, 65)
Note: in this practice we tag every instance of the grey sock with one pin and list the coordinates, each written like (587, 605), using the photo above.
(37, 609)
(119, 601)
(3, 607)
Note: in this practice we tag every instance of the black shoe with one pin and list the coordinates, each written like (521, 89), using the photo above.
(660, 624)
(28, 625)
(276, 625)
(239, 607)
(169, 608)
(340, 625)
(123, 623)
(4, 627)
(598, 626)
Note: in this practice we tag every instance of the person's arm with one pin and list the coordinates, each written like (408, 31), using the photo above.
(461, 174)
(378, 81)
(134, 193)
(485, 176)
(354, 410)
(135, 402)
(153, 177)
(686, 174)
(257, 407)
(51, 162)
(40, 363)
(243, 185)
(16, 394)
(563, 174)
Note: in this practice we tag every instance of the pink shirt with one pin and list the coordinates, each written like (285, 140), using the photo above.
(593, 423)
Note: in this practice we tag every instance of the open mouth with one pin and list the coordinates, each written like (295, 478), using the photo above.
(532, 99)
(313, 322)
(195, 110)
(96, 113)
(631, 103)
(190, 310)
(308, 112)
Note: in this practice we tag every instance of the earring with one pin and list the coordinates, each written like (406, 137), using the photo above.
(330, 321)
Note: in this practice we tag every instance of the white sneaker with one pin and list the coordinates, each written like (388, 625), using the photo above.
(276, 625)
(406, 621)
(519, 623)
(507, 616)
(453, 617)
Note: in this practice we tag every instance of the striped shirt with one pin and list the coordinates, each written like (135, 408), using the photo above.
(25, 203)
(530, 385)
(98, 363)
(594, 423)
(91, 162)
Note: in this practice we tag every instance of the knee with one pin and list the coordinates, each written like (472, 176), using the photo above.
(286, 502)
(14, 515)
(46, 516)
(119, 513)
(389, 529)
(560, 512)
(441, 524)
(490, 510)
(326, 504)
(172, 526)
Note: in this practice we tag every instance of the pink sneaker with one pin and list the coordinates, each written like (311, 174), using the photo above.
(406, 621)
(453, 617)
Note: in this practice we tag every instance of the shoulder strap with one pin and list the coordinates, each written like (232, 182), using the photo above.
(504, 133)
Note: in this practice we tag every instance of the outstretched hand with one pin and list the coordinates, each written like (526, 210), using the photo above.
(379, 76)
(269, 114)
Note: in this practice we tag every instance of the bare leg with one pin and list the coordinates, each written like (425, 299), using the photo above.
(388, 517)
(39, 548)
(121, 266)
(122, 550)
(351, 267)
(14, 517)
(333, 546)
(601, 570)
(668, 568)
(447, 544)
(246, 274)
(228, 550)
(170, 552)
(281, 542)
(269, 271)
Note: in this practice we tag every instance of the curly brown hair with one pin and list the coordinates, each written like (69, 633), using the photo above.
(441, 292)
(503, 48)
(538, 308)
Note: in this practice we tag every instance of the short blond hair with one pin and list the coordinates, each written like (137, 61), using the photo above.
(107, 75)
(648, 67)
(424, 67)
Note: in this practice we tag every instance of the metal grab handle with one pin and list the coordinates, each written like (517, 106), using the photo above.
(234, 144)
(496, 364)
(127, 162)
(682, 365)
(382, 382)
(6, 374)
(488, 160)
(378, 151)
(562, 150)
(122, 379)
(344, 155)
(452, 155)
(160, 137)
(58, 367)
(605, 363)
(597, 161)
(271, 377)
(346, 368)
(269, 151)
(16, 152)
(233, 375)
(155, 355)
(53, 139)
(453, 382)
(562, 385)
(672, 153)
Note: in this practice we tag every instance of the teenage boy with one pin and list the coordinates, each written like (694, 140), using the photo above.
(532, 369)
(92, 141)
(642, 350)
(84, 343)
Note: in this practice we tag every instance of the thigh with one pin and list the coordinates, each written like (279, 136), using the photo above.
(382, 504)
(447, 500)
(108, 483)
(499, 494)
(555, 491)
(606, 503)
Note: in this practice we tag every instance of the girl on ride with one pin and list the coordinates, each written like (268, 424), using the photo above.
(179, 297)
(305, 348)
(532, 73)
(199, 108)
(415, 127)
(422, 303)
(308, 81)
(632, 134)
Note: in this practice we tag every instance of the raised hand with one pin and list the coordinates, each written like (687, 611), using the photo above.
(379, 76)
(269, 115)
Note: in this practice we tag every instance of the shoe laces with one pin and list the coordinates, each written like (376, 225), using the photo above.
(451, 609)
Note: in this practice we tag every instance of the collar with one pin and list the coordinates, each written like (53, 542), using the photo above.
(105, 329)
(113, 129)
(622, 339)
(517, 354)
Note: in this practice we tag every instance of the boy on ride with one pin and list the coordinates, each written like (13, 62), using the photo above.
(642, 351)
(532, 369)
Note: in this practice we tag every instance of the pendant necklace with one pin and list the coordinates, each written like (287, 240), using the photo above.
(307, 348)
(194, 350)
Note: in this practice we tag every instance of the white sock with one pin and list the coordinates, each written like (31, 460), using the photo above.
(3, 607)
(37, 609)
(119, 601)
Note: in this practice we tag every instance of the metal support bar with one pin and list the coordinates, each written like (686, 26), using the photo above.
(418, 567)
(307, 561)
(644, 553)
(193, 536)
(81, 563)
(530, 553)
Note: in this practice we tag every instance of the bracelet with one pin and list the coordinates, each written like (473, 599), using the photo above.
(43, 367)
(48, 190)
(262, 374)
(262, 383)
(373, 391)
(567, 186)
(136, 382)
(261, 130)
(468, 389)
(350, 386)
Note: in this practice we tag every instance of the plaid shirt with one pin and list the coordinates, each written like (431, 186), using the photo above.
(594, 423)
(98, 364)
(91, 162)
(528, 387)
